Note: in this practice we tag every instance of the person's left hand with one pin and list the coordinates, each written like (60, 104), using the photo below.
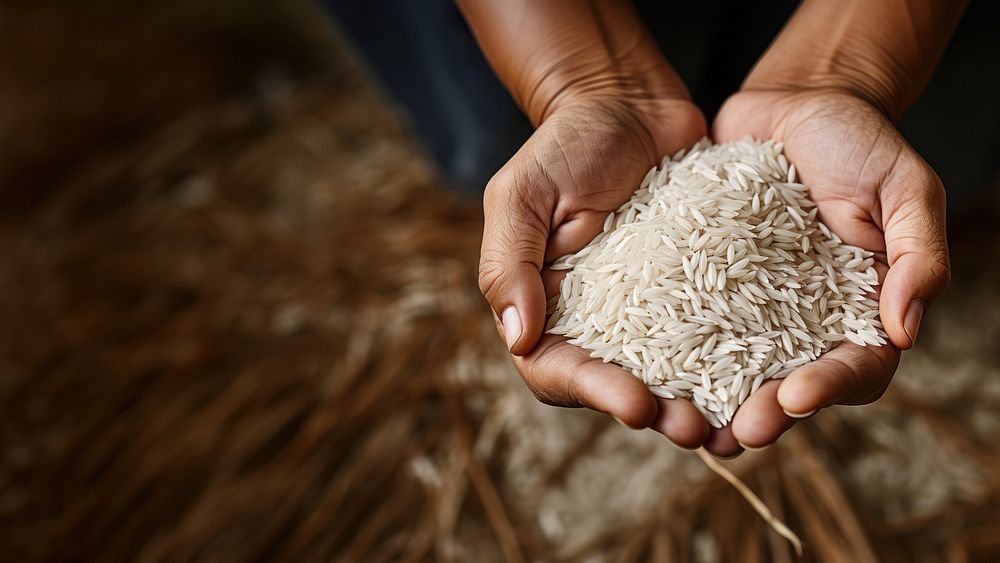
(875, 192)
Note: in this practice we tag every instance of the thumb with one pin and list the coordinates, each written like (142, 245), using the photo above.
(517, 212)
(916, 247)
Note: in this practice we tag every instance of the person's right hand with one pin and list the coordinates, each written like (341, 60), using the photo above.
(583, 162)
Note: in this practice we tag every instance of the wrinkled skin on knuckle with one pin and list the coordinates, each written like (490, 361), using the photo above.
(940, 271)
(872, 389)
(540, 373)
(911, 180)
(916, 204)
(943, 274)
(527, 367)
(516, 225)
(496, 265)
(490, 272)
(521, 184)
(545, 396)
(870, 371)
(939, 265)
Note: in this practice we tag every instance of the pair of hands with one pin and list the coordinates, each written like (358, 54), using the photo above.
(587, 158)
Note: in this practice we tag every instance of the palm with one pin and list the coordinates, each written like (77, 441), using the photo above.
(591, 159)
(856, 166)
(842, 148)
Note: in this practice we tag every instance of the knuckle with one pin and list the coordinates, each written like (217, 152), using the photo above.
(543, 393)
(503, 194)
(873, 387)
(912, 182)
(491, 271)
(543, 396)
(938, 264)
(497, 265)
(935, 186)
(932, 189)
(497, 186)
(874, 390)
(940, 270)
(521, 183)
(516, 214)
(542, 375)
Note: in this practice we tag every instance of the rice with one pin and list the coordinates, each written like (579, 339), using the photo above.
(715, 277)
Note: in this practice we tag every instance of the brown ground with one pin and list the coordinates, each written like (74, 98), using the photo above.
(238, 321)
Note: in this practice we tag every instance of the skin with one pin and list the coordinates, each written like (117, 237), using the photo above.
(831, 87)
(551, 199)
(874, 191)
(607, 106)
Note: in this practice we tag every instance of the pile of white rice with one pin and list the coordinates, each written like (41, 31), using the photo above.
(715, 277)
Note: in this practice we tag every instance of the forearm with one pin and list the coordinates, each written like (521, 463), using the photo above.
(881, 50)
(550, 52)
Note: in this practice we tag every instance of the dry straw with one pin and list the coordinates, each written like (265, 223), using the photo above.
(716, 276)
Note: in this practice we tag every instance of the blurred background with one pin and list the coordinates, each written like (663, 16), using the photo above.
(239, 318)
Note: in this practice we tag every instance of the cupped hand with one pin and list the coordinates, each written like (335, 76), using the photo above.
(582, 163)
(875, 192)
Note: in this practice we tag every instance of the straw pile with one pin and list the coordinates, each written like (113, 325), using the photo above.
(257, 335)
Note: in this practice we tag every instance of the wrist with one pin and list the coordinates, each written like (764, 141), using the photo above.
(887, 90)
(641, 84)
(632, 84)
(882, 52)
(555, 53)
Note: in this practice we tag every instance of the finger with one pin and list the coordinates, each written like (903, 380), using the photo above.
(574, 234)
(516, 213)
(721, 443)
(678, 420)
(848, 374)
(563, 375)
(552, 281)
(916, 246)
(852, 224)
(681, 423)
(760, 420)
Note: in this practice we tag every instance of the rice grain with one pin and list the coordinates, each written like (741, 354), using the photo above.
(714, 277)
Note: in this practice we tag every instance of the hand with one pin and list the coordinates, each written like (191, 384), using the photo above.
(875, 192)
(583, 162)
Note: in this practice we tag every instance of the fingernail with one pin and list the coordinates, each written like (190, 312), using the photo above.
(619, 421)
(511, 325)
(748, 448)
(801, 414)
(911, 324)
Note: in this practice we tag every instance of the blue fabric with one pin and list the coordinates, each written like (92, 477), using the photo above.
(429, 64)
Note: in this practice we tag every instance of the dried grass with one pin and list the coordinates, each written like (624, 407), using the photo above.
(257, 335)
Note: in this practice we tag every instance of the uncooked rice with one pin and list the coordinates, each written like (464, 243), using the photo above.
(715, 277)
